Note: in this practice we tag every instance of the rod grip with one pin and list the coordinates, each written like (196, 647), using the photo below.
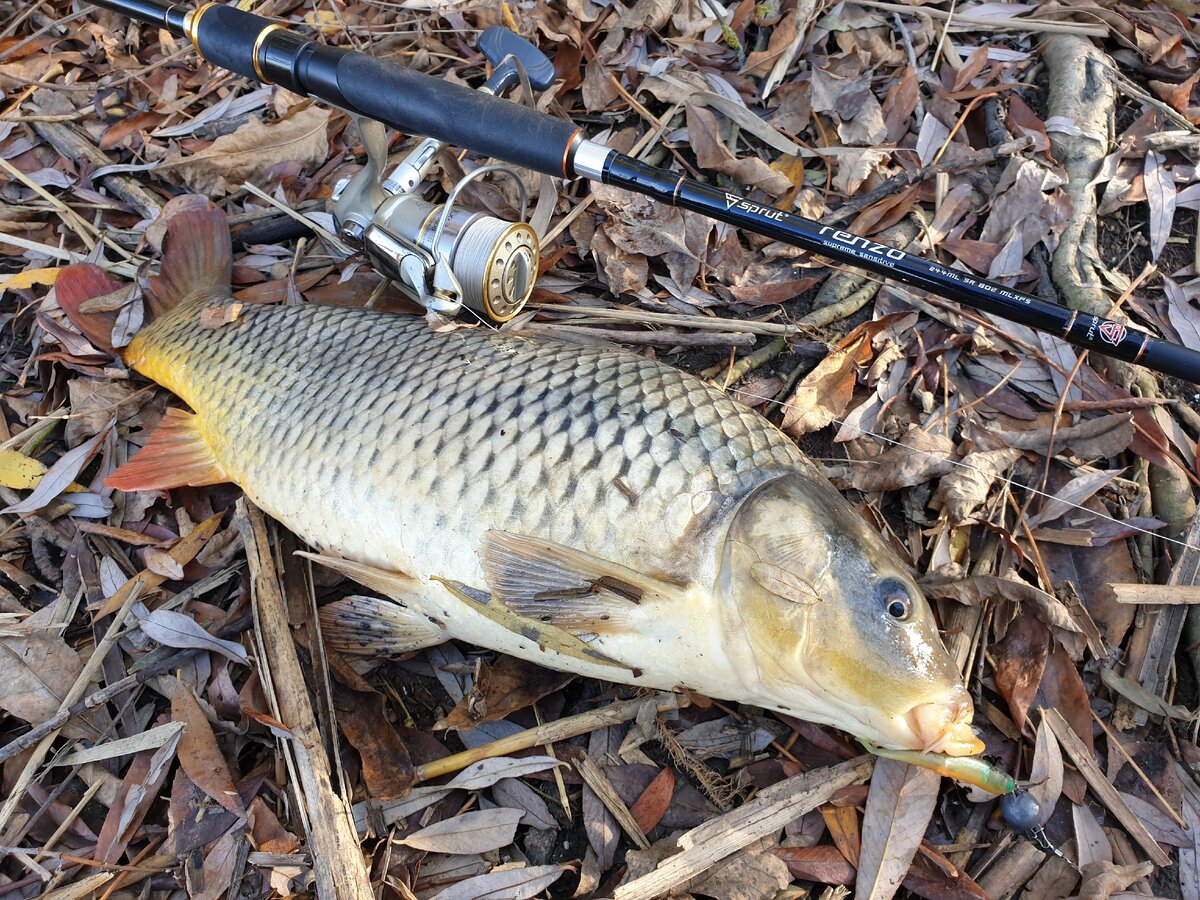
(418, 104)
(225, 37)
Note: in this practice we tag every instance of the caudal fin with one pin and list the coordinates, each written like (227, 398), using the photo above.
(197, 255)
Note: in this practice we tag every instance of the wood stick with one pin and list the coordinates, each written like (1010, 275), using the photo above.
(599, 783)
(1082, 757)
(697, 323)
(708, 844)
(561, 730)
(70, 142)
(338, 865)
(1166, 594)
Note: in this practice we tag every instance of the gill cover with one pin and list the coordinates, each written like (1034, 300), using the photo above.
(836, 629)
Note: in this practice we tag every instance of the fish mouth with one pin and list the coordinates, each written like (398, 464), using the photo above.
(944, 726)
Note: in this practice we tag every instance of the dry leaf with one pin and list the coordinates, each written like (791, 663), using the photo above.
(199, 754)
(504, 884)
(1160, 195)
(471, 832)
(1046, 771)
(651, 806)
(387, 766)
(216, 316)
(825, 393)
(966, 488)
(899, 806)
(712, 153)
(918, 457)
(253, 148)
(19, 471)
(60, 476)
(824, 864)
(162, 563)
(39, 669)
(1101, 880)
(172, 629)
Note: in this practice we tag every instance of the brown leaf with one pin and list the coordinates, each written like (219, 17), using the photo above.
(824, 864)
(1103, 879)
(503, 884)
(919, 456)
(899, 806)
(1097, 438)
(251, 149)
(825, 393)
(933, 877)
(268, 832)
(162, 563)
(650, 807)
(507, 685)
(752, 874)
(842, 822)
(199, 754)
(1020, 662)
(39, 669)
(1046, 771)
(966, 488)
(712, 153)
(1180, 96)
(387, 766)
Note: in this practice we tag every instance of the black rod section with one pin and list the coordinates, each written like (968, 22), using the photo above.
(418, 104)
(1085, 330)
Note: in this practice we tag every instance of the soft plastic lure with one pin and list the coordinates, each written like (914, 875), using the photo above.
(967, 769)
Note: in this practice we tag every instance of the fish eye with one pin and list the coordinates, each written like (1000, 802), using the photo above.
(896, 600)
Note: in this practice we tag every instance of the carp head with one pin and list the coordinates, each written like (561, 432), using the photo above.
(835, 629)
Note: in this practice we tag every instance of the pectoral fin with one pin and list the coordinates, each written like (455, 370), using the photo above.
(176, 455)
(565, 587)
(544, 634)
(369, 626)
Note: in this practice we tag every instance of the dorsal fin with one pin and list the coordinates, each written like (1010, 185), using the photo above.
(78, 284)
(197, 257)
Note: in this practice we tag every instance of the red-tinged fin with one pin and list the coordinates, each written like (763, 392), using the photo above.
(197, 259)
(177, 455)
(78, 284)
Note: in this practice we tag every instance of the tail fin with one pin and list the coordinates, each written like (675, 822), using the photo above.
(78, 284)
(197, 255)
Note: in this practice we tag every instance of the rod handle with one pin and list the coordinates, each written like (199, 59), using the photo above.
(408, 101)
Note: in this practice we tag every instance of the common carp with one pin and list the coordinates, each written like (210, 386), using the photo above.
(584, 508)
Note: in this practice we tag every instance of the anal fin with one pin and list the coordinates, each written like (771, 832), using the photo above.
(369, 626)
(176, 455)
(568, 588)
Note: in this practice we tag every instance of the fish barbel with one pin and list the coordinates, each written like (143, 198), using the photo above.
(587, 509)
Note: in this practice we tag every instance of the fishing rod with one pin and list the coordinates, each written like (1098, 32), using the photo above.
(446, 257)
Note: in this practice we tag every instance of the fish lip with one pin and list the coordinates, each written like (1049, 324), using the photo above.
(944, 726)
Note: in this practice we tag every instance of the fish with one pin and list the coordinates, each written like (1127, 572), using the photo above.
(584, 508)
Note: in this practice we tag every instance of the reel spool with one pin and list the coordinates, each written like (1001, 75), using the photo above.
(441, 255)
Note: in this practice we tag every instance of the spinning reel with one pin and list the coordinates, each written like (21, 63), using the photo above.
(441, 255)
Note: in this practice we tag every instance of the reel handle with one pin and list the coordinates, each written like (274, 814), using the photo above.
(497, 43)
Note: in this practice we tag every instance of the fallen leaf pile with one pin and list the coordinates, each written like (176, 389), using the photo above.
(1046, 498)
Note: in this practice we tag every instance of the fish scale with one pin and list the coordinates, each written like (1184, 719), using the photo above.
(460, 432)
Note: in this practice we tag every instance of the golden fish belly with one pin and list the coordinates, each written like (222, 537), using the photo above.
(379, 440)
